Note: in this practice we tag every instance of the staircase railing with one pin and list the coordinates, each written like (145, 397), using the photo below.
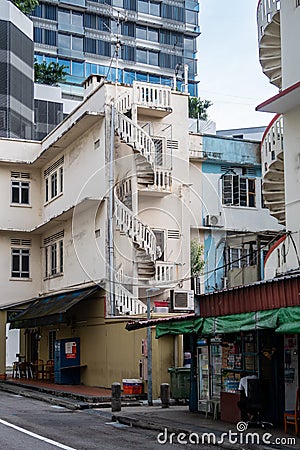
(151, 95)
(139, 233)
(135, 136)
(127, 303)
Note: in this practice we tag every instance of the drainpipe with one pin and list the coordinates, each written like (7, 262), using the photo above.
(111, 215)
(186, 83)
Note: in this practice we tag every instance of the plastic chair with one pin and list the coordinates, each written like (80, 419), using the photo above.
(38, 370)
(292, 417)
(49, 373)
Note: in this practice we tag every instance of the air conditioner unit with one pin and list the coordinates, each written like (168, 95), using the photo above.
(197, 285)
(214, 220)
(182, 300)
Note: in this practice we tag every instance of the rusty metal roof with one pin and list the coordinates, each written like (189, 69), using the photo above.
(260, 296)
(137, 324)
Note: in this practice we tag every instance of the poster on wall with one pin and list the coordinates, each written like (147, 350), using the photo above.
(70, 350)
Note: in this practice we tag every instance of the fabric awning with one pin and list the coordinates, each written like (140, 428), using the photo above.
(282, 320)
(50, 310)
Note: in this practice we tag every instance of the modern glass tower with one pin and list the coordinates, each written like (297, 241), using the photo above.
(153, 39)
(16, 73)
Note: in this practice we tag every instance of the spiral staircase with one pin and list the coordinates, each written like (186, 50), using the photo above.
(272, 148)
(268, 22)
(130, 133)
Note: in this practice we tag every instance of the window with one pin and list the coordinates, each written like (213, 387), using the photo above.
(54, 254)
(20, 192)
(54, 180)
(147, 57)
(243, 256)
(70, 42)
(65, 16)
(20, 188)
(20, 262)
(238, 190)
(149, 7)
(43, 36)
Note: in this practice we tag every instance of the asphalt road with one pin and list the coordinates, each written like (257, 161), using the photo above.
(34, 425)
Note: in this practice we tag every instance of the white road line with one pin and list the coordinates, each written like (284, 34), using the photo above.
(37, 436)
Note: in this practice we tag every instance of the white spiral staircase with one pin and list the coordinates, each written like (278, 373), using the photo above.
(268, 22)
(140, 234)
(273, 169)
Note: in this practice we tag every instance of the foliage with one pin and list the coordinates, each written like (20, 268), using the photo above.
(26, 6)
(51, 73)
(197, 262)
(198, 108)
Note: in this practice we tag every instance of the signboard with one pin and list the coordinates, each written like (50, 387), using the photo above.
(70, 349)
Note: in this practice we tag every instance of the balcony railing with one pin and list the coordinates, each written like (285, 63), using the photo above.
(266, 10)
(272, 143)
(165, 272)
(151, 95)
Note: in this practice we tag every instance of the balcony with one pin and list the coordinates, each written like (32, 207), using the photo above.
(152, 99)
(273, 169)
(166, 273)
(268, 23)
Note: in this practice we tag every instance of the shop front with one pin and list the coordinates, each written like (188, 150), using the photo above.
(263, 344)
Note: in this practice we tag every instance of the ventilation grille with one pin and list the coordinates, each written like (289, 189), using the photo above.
(54, 166)
(25, 242)
(54, 237)
(24, 175)
(173, 234)
(172, 145)
(249, 171)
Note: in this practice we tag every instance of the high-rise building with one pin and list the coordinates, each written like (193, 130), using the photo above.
(155, 40)
(16, 73)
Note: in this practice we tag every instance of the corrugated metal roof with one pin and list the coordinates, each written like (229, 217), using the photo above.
(261, 296)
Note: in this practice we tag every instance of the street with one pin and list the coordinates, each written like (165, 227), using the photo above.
(35, 425)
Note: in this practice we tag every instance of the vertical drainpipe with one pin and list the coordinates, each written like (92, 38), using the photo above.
(111, 215)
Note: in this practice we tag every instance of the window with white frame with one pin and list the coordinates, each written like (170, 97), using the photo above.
(238, 190)
(20, 188)
(54, 254)
(54, 180)
(245, 256)
(20, 258)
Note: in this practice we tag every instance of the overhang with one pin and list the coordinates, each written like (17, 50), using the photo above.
(283, 102)
(50, 310)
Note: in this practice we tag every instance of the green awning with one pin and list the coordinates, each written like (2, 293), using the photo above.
(183, 327)
(283, 320)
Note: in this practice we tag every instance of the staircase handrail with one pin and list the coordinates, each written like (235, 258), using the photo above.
(141, 234)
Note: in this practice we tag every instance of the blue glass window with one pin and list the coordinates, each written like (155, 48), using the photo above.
(77, 69)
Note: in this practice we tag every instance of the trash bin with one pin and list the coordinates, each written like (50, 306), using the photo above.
(180, 382)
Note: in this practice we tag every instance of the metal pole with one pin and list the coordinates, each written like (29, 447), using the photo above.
(149, 351)
(111, 214)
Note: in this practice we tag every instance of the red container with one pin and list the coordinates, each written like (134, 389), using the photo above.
(161, 304)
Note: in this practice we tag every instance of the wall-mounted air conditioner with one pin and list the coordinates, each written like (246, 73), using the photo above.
(182, 300)
(214, 220)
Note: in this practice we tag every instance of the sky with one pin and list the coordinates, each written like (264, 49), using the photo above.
(228, 69)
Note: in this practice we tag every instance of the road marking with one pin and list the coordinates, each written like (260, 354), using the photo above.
(37, 436)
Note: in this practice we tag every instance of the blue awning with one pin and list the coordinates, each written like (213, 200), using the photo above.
(50, 310)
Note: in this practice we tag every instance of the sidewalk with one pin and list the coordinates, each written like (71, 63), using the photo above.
(135, 412)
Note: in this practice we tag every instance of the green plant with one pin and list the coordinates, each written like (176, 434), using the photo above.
(49, 73)
(198, 108)
(26, 6)
(197, 262)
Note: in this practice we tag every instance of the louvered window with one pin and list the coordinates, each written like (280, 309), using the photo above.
(54, 254)
(238, 191)
(19, 188)
(54, 180)
(20, 258)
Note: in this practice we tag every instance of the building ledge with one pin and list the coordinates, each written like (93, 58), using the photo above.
(283, 102)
